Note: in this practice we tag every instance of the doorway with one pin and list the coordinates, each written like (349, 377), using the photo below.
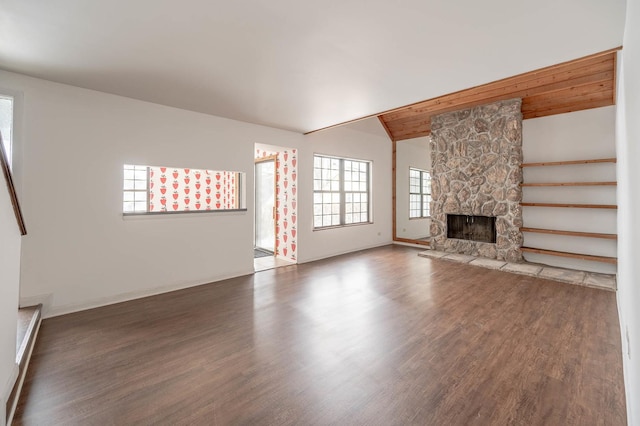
(276, 212)
(265, 200)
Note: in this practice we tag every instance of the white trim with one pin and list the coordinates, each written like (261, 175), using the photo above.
(7, 392)
(54, 311)
(386, 243)
(403, 243)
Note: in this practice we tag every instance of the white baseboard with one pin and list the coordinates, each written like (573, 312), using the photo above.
(7, 393)
(44, 299)
(54, 311)
(328, 256)
(402, 243)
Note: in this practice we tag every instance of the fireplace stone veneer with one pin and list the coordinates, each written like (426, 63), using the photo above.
(476, 155)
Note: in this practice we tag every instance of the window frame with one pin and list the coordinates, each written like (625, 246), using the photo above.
(342, 192)
(422, 194)
(135, 168)
(240, 192)
(9, 148)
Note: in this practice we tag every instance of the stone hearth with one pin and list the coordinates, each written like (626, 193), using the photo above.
(570, 276)
(476, 156)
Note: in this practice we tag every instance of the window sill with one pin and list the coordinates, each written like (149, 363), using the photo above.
(129, 216)
(420, 218)
(342, 226)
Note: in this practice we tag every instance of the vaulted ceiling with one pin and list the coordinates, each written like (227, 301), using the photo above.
(576, 85)
(293, 64)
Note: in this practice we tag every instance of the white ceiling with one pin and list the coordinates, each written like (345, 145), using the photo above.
(296, 64)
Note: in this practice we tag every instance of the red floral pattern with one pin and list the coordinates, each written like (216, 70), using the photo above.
(172, 189)
(286, 201)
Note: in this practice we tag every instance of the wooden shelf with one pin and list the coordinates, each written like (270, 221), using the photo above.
(570, 233)
(604, 259)
(570, 184)
(566, 163)
(575, 206)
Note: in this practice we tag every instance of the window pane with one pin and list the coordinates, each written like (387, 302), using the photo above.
(6, 125)
(181, 189)
(340, 179)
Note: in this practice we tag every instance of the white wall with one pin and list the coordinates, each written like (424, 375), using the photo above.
(350, 142)
(628, 145)
(414, 153)
(9, 287)
(80, 252)
(579, 135)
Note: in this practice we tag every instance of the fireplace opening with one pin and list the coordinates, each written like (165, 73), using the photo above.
(473, 228)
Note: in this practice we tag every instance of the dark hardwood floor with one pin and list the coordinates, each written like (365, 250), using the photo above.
(378, 337)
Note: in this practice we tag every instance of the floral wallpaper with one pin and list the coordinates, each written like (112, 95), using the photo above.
(172, 189)
(286, 201)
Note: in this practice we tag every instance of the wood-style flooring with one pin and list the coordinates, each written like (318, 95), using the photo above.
(377, 337)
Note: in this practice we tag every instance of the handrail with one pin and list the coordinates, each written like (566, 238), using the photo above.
(12, 190)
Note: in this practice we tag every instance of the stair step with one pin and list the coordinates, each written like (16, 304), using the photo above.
(29, 319)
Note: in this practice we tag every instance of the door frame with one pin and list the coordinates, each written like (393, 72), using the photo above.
(268, 158)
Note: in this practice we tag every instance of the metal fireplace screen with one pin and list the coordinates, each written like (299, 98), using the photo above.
(473, 228)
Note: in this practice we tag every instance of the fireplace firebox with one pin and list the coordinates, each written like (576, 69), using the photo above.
(473, 228)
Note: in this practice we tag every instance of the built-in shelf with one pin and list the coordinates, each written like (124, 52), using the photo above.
(568, 205)
(570, 184)
(604, 259)
(567, 163)
(570, 233)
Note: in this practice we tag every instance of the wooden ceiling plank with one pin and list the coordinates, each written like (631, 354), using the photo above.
(513, 85)
(586, 81)
(599, 57)
(412, 135)
(569, 93)
(567, 96)
(593, 103)
(386, 129)
(516, 90)
(410, 125)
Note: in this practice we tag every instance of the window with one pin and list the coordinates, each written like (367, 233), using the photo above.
(135, 189)
(419, 193)
(154, 189)
(6, 125)
(341, 191)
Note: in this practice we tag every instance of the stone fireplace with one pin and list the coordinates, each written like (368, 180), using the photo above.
(476, 155)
